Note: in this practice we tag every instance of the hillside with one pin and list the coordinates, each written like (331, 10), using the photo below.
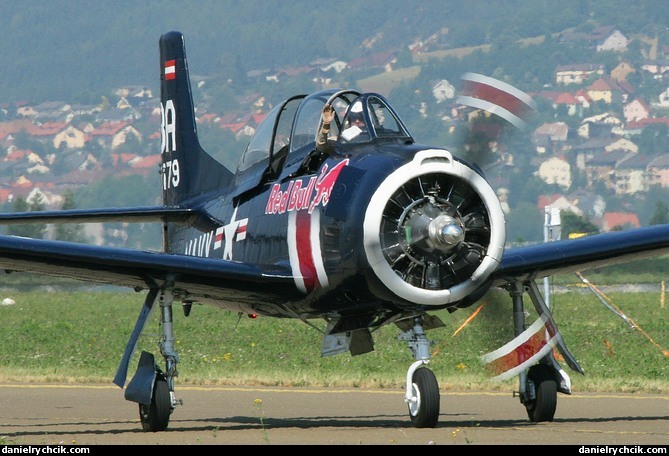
(246, 57)
(70, 50)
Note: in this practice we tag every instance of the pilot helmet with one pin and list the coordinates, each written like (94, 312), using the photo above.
(355, 115)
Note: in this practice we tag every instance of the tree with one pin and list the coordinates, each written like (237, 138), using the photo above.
(576, 224)
(69, 232)
(524, 223)
(34, 230)
(661, 214)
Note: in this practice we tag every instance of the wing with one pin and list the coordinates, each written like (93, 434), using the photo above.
(572, 255)
(197, 278)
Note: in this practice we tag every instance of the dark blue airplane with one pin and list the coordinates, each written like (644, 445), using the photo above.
(366, 229)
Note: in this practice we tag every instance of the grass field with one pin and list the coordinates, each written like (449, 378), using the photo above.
(80, 336)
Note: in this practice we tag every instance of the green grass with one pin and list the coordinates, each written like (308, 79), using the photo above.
(80, 336)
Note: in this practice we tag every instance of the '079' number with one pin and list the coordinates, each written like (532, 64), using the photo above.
(170, 172)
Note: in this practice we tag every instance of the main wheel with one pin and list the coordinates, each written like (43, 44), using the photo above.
(424, 411)
(542, 408)
(156, 416)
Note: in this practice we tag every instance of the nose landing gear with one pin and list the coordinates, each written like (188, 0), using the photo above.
(422, 389)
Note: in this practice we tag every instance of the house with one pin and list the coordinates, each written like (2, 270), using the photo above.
(81, 110)
(636, 110)
(556, 170)
(15, 154)
(578, 73)
(121, 159)
(589, 203)
(48, 131)
(121, 136)
(601, 90)
(631, 174)
(623, 144)
(657, 171)
(385, 60)
(115, 134)
(443, 90)
(601, 168)
(594, 152)
(123, 103)
(621, 71)
(599, 126)
(605, 38)
(557, 201)
(569, 102)
(26, 111)
(663, 99)
(583, 99)
(550, 136)
(609, 91)
(658, 68)
(52, 111)
(134, 92)
(608, 38)
(336, 66)
(8, 129)
(70, 138)
(618, 220)
(146, 164)
(636, 127)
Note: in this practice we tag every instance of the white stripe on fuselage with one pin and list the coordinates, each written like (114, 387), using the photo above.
(302, 266)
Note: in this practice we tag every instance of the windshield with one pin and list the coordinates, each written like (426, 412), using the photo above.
(293, 126)
(308, 118)
(276, 126)
(369, 117)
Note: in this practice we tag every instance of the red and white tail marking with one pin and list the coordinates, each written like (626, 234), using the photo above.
(170, 70)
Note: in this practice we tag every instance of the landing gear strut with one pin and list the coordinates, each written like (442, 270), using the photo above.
(155, 416)
(422, 388)
(152, 388)
(540, 384)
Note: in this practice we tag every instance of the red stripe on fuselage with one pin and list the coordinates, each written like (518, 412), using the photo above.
(304, 252)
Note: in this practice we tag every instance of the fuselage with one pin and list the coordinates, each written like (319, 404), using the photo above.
(368, 221)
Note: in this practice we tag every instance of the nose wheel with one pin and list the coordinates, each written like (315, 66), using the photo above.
(422, 388)
(424, 401)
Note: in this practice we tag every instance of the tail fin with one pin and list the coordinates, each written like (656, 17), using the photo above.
(187, 170)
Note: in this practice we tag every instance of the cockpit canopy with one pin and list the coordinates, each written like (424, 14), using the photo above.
(288, 133)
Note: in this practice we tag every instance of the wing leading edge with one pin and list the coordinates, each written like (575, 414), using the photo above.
(195, 277)
(574, 255)
(131, 215)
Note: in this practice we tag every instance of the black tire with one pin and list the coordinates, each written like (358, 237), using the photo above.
(156, 416)
(424, 412)
(543, 407)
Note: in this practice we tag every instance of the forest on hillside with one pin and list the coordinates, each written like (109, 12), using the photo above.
(75, 50)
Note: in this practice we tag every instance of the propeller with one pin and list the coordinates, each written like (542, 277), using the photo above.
(495, 105)
(434, 231)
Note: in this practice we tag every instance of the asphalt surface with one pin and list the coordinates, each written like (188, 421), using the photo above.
(52, 414)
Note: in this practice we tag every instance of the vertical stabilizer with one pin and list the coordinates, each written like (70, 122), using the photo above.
(187, 170)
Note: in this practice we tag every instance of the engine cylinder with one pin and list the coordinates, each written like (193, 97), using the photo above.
(434, 230)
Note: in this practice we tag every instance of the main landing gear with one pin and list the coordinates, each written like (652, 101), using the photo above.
(152, 388)
(539, 385)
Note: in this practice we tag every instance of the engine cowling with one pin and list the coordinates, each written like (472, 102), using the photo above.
(434, 230)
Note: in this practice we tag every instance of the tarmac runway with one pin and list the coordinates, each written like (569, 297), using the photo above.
(68, 414)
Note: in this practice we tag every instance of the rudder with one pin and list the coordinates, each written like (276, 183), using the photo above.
(187, 170)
